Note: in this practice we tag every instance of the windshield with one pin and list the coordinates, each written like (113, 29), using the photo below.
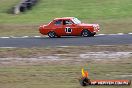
(76, 21)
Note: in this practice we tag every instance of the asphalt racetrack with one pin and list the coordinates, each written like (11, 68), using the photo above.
(66, 41)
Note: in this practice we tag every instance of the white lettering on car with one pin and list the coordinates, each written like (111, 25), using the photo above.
(68, 30)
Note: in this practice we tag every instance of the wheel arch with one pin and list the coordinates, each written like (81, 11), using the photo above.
(84, 30)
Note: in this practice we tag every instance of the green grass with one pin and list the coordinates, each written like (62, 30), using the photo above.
(61, 75)
(85, 10)
(114, 16)
(5, 5)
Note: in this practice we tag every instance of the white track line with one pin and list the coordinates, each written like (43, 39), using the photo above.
(47, 36)
(120, 33)
(19, 37)
(101, 34)
(37, 36)
(25, 36)
(130, 33)
(7, 47)
(4, 37)
(112, 34)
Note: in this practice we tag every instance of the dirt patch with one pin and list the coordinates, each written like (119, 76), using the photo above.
(65, 55)
(71, 50)
(106, 55)
(68, 58)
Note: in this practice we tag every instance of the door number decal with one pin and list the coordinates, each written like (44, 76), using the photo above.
(68, 30)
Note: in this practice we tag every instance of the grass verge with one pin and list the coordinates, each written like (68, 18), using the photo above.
(113, 16)
(65, 71)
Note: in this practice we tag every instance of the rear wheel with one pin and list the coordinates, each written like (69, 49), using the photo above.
(52, 34)
(86, 33)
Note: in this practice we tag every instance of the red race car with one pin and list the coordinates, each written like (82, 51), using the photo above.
(68, 26)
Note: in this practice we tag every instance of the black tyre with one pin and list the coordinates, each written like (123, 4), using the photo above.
(86, 33)
(52, 34)
(93, 34)
(22, 8)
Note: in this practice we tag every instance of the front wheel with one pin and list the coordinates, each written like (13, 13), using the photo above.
(86, 33)
(52, 34)
(92, 34)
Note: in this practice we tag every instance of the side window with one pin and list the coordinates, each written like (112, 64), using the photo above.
(67, 22)
(58, 22)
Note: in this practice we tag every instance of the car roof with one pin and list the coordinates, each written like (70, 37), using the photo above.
(64, 18)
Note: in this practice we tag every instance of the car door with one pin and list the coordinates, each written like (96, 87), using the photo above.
(69, 27)
(58, 27)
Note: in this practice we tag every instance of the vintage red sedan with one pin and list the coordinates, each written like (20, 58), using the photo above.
(68, 26)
